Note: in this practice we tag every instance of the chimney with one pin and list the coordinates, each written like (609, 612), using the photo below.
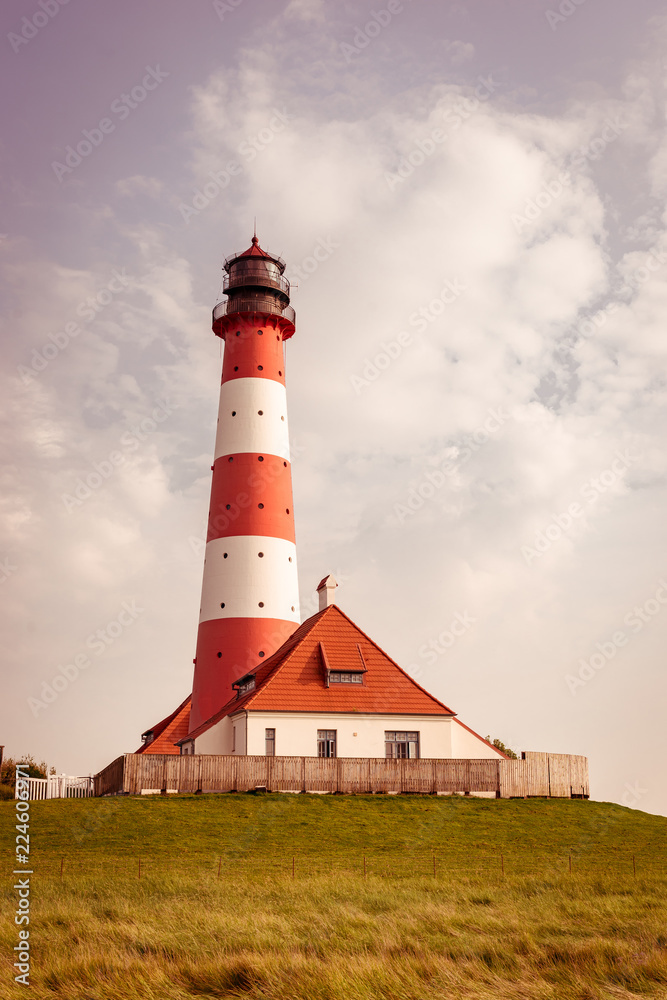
(325, 589)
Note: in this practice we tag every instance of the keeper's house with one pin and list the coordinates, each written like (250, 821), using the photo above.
(328, 691)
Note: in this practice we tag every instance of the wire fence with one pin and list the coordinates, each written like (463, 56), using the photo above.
(358, 865)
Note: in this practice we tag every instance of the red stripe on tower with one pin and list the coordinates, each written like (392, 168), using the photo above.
(250, 601)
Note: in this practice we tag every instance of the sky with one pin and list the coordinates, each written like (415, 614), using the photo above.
(470, 198)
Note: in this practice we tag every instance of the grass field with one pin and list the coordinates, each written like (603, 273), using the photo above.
(265, 896)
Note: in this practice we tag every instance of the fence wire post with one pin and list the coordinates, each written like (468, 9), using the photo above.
(292, 866)
(219, 866)
(139, 867)
(364, 866)
(570, 864)
(502, 865)
(634, 866)
(434, 866)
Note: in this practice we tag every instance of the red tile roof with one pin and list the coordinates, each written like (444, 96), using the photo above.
(255, 250)
(293, 679)
(166, 733)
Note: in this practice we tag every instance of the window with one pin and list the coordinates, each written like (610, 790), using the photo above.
(270, 742)
(244, 684)
(401, 744)
(326, 742)
(344, 677)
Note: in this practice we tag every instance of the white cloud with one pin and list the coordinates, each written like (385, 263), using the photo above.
(305, 10)
(458, 52)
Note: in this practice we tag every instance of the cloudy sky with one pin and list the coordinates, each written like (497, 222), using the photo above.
(471, 199)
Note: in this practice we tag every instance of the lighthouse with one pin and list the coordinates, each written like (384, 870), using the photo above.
(249, 601)
(266, 684)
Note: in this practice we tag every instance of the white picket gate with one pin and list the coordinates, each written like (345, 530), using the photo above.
(59, 786)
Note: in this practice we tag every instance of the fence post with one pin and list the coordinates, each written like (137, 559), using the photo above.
(219, 866)
(502, 865)
(292, 866)
(364, 866)
(634, 866)
(434, 866)
(570, 864)
(139, 867)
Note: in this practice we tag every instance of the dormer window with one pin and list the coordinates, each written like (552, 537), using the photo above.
(244, 684)
(354, 674)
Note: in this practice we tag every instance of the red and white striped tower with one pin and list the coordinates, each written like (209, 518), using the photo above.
(250, 601)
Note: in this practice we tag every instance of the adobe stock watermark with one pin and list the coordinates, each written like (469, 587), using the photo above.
(453, 118)
(432, 650)
(591, 491)
(31, 26)
(221, 521)
(553, 189)
(321, 252)
(130, 442)
(379, 20)
(98, 642)
(122, 106)
(93, 821)
(248, 150)
(87, 309)
(565, 10)
(22, 884)
(392, 349)
(7, 569)
(224, 7)
(632, 795)
(636, 620)
(588, 327)
(436, 478)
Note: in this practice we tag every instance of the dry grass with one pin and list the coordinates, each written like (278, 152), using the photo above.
(537, 933)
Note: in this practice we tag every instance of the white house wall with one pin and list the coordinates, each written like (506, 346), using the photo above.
(357, 735)
(217, 739)
(466, 744)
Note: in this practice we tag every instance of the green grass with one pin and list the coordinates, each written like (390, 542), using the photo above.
(534, 932)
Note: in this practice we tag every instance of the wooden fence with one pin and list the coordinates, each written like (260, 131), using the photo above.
(537, 774)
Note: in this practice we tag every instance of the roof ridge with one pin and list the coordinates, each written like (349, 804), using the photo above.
(160, 728)
(391, 660)
(293, 644)
(168, 718)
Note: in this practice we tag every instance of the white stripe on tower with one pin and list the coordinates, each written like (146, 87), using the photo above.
(259, 421)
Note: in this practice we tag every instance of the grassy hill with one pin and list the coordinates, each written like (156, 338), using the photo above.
(328, 897)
